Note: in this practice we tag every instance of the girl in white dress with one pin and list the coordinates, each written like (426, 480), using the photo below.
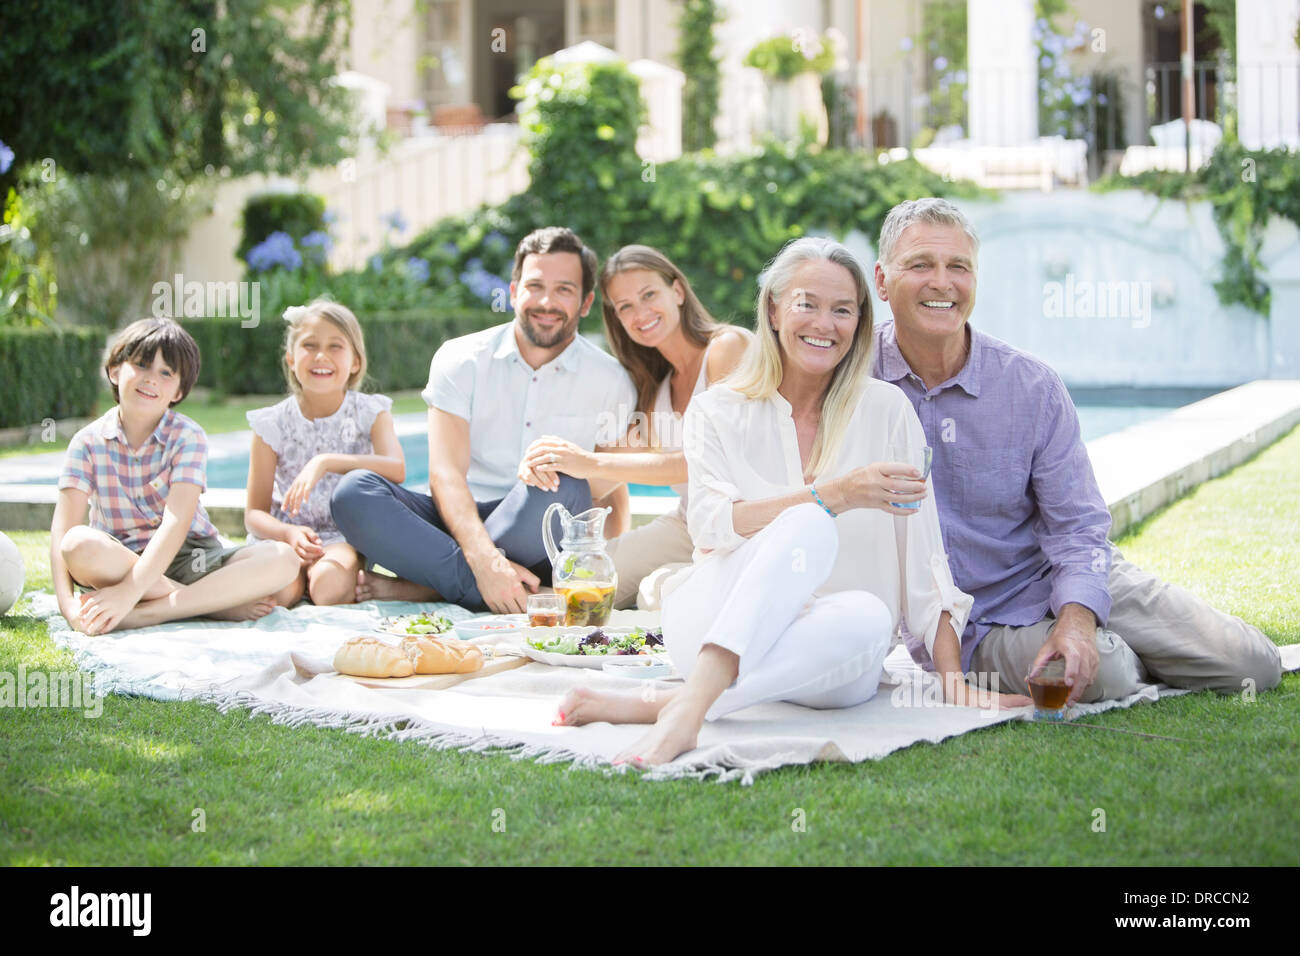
(303, 445)
(807, 559)
(673, 349)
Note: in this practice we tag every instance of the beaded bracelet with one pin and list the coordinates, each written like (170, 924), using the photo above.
(818, 498)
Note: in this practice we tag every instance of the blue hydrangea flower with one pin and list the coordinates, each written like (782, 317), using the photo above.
(6, 158)
(317, 245)
(483, 285)
(275, 250)
(377, 263)
(395, 221)
(451, 249)
(418, 269)
(494, 241)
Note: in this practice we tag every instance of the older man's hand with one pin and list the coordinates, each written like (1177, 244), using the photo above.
(1073, 639)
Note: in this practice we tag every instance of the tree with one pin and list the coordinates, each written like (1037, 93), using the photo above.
(177, 86)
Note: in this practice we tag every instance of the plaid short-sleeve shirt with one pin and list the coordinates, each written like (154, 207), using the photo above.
(128, 487)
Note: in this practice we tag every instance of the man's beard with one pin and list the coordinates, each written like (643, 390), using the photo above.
(541, 339)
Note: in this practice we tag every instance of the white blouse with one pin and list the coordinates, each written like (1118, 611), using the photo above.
(738, 449)
(668, 421)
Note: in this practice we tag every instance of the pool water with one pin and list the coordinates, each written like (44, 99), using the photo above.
(1095, 420)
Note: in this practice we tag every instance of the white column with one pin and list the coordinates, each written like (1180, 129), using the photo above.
(1001, 63)
(1268, 73)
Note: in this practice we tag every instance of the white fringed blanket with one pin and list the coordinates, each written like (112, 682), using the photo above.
(280, 666)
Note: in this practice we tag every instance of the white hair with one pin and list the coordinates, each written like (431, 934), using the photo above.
(937, 212)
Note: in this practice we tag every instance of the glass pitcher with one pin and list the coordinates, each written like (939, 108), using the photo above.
(582, 572)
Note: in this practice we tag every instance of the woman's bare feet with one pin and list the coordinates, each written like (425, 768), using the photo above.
(675, 732)
(585, 706)
(380, 587)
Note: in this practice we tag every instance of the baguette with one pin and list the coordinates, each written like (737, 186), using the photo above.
(369, 657)
(432, 655)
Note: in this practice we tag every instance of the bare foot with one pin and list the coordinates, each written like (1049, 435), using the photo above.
(674, 733)
(585, 706)
(247, 612)
(380, 587)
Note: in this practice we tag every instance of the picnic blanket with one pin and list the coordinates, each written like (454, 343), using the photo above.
(281, 666)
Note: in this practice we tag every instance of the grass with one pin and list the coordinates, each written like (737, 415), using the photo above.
(122, 789)
(213, 412)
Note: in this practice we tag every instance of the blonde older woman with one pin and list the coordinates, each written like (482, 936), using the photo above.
(807, 558)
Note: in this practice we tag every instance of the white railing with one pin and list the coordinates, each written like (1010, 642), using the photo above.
(425, 179)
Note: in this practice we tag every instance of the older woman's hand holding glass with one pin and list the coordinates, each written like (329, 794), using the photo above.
(806, 560)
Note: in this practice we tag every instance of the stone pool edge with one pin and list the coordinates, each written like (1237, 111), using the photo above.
(1140, 469)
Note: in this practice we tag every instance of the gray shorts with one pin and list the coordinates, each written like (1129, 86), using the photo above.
(199, 556)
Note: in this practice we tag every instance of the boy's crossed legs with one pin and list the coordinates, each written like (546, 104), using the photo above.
(242, 589)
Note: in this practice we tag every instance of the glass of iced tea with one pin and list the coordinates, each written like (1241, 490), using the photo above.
(1049, 690)
(545, 610)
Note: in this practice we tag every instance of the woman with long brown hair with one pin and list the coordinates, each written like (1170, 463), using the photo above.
(673, 349)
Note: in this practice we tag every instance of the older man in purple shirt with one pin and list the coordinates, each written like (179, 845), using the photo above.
(1023, 521)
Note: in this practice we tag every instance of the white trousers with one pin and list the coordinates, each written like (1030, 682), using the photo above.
(757, 602)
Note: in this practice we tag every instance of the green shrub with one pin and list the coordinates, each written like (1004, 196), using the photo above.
(295, 213)
(399, 345)
(109, 237)
(580, 124)
(722, 219)
(48, 373)
(698, 59)
(27, 287)
(787, 55)
(1244, 187)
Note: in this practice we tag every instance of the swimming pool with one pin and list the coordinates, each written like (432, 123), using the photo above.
(1100, 414)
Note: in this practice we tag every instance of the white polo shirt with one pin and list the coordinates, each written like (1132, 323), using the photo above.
(583, 395)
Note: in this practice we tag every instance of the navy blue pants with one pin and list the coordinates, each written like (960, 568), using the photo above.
(402, 530)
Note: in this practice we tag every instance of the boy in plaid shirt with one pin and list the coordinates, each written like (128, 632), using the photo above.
(150, 554)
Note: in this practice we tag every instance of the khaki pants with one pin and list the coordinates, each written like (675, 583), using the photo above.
(1157, 632)
(644, 557)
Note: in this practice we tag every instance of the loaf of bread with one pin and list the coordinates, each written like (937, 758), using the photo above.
(432, 655)
(369, 657)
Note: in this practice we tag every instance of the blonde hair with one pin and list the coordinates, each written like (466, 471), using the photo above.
(645, 364)
(337, 315)
(763, 367)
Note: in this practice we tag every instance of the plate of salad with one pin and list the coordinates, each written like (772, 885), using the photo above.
(590, 647)
(406, 625)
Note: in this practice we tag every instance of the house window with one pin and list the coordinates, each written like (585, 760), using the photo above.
(596, 22)
(442, 61)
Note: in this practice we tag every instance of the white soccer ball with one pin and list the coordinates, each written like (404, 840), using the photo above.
(11, 574)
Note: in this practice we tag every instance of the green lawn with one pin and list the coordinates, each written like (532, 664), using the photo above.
(215, 414)
(121, 789)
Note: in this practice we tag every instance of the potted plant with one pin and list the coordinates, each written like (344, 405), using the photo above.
(792, 65)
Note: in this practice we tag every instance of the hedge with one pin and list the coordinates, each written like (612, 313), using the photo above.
(399, 345)
(48, 373)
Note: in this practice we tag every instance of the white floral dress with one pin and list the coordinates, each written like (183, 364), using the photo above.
(296, 439)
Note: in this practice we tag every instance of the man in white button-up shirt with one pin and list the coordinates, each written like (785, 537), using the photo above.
(476, 539)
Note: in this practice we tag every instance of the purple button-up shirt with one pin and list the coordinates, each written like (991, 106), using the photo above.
(1023, 520)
